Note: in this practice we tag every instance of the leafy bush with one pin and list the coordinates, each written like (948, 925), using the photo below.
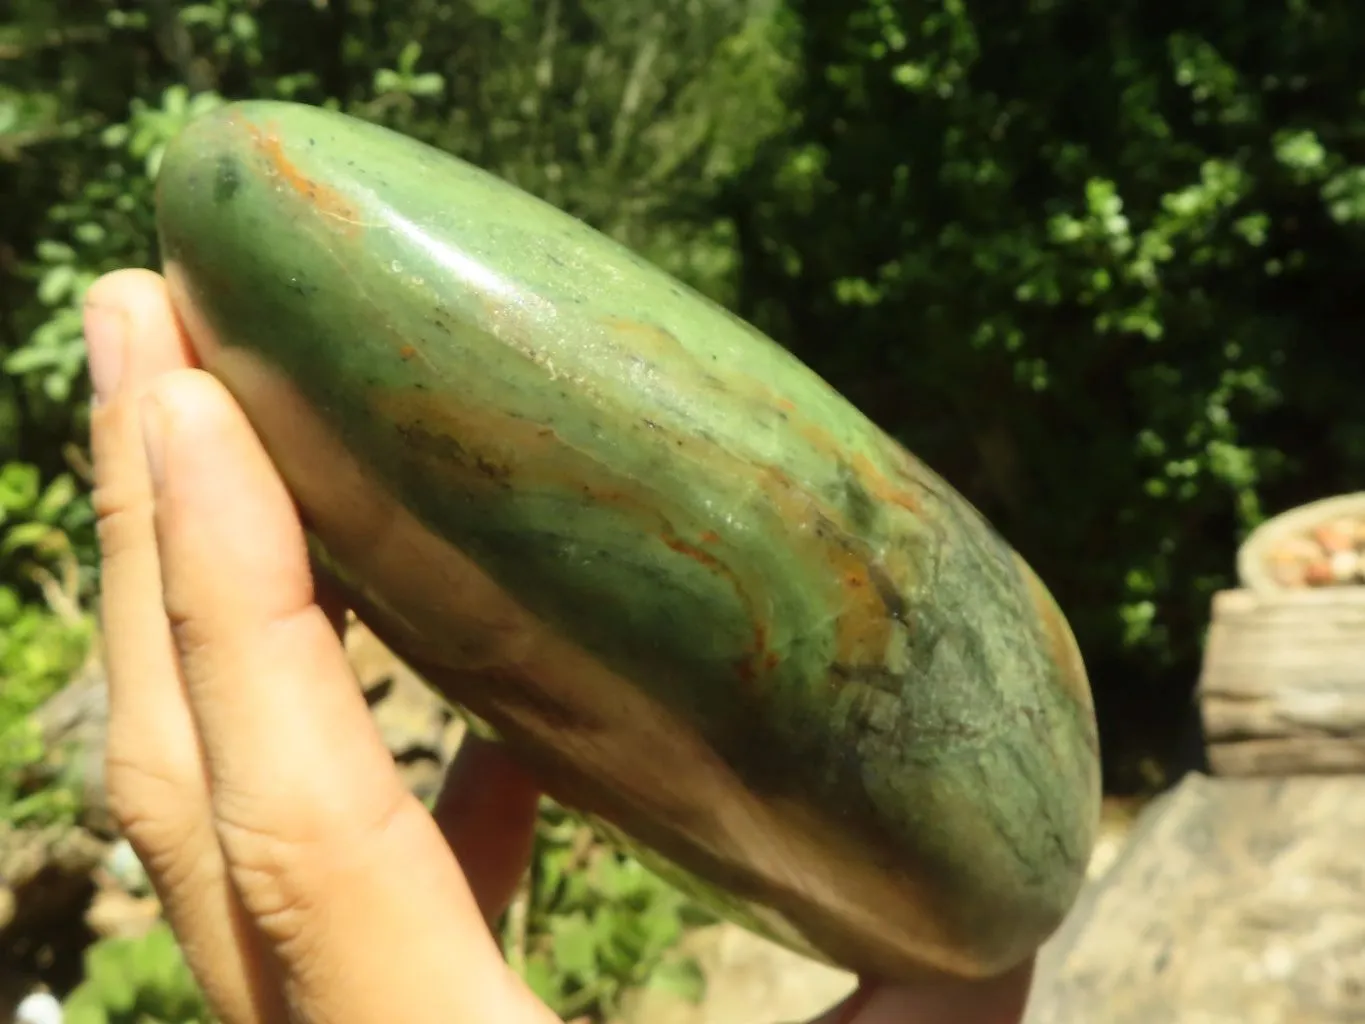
(608, 112)
(593, 923)
(1097, 265)
(45, 639)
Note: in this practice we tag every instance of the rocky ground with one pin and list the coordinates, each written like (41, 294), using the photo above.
(60, 888)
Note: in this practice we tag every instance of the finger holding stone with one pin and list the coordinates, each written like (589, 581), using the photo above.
(327, 847)
(155, 771)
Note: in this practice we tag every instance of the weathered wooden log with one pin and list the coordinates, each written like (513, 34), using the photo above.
(1283, 685)
(1234, 900)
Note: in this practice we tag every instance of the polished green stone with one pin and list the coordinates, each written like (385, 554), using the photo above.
(700, 593)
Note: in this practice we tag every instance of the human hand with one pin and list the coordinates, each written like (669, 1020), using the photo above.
(303, 880)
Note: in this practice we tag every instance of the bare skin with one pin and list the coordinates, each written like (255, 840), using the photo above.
(304, 881)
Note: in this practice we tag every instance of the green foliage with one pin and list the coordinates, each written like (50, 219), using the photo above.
(39, 652)
(621, 116)
(105, 225)
(27, 797)
(42, 642)
(595, 923)
(1094, 264)
(45, 526)
(610, 115)
(142, 980)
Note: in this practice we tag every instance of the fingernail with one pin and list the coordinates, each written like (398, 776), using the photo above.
(106, 347)
(154, 438)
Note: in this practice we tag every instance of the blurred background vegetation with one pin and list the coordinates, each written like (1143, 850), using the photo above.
(1096, 263)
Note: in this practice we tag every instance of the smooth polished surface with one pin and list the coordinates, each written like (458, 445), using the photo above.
(702, 595)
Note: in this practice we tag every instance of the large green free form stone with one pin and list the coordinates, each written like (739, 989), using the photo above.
(701, 595)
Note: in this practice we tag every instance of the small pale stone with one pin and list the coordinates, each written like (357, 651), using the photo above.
(1345, 566)
(122, 862)
(39, 1008)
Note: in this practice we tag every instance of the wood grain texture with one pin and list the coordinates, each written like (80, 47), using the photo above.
(1283, 685)
(1237, 901)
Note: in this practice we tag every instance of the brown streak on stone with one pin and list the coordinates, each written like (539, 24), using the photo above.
(862, 625)
(649, 339)
(758, 655)
(325, 200)
(862, 622)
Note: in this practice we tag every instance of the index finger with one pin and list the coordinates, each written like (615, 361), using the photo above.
(342, 869)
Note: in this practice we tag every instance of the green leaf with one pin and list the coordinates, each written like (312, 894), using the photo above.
(387, 80)
(541, 978)
(90, 233)
(60, 493)
(175, 99)
(57, 387)
(550, 867)
(202, 14)
(56, 284)
(152, 163)
(680, 977)
(244, 27)
(20, 485)
(163, 968)
(620, 948)
(428, 84)
(84, 1006)
(575, 946)
(25, 535)
(109, 966)
(115, 136)
(29, 359)
(10, 605)
(661, 925)
(613, 877)
(55, 252)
